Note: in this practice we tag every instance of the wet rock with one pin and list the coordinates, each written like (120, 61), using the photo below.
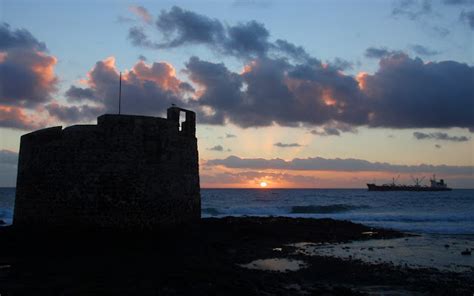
(466, 252)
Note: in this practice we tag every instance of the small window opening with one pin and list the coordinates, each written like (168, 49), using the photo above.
(182, 118)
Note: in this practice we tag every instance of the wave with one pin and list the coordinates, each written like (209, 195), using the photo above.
(326, 209)
(211, 211)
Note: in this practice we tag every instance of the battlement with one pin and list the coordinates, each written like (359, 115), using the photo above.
(126, 172)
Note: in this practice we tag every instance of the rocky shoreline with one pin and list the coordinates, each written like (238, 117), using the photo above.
(208, 258)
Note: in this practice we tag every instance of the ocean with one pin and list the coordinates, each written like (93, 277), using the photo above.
(449, 212)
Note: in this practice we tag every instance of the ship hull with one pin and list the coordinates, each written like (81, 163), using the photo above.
(373, 187)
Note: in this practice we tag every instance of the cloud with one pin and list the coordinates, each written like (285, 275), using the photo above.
(286, 145)
(337, 164)
(333, 129)
(180, 27)
(27, 76)
(437, 146)
(230, 136)
(272, 91)
(147, 89)
(18, 118)
(27, 79)
(458, 2)
(142, 13)
(74, 114)
(377, 53)
(424, 51)
(282, 84)
(403, 86)
(412, 9)
(77, 94)
(468, 17)
(18, 39)
(218, 148)
(439, 136)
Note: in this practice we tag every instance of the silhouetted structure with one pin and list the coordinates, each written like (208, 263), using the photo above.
(126, 172)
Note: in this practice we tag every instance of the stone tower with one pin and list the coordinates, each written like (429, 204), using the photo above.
(126, 172)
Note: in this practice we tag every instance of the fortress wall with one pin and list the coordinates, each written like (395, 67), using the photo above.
(127, 172)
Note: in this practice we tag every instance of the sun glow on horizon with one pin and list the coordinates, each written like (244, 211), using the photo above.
(263, 184)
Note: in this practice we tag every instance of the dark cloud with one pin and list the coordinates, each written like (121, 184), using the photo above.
(230, 136)
(458, 2)
(468, 17)
(79, 94)
(26, 71)
(422, 50)
(333, 129)
(274, 91)
(440, 31)
(377, 53)
(282, 84)
(327, 131)
(19, 39)
(412, 9)
(341, 64)
(337, 164)
(218, 148)
(403, 86)
(139, 38)
(181, 27)
(439, 136)
(437, 146)
(74, 114)
(27, 79)
(249, 38)
(142, 58)
(286, 145)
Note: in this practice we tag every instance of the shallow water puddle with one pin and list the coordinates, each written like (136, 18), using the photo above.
(276, 264)
(432, 251)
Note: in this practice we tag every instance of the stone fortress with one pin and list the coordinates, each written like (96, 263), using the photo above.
(127, 172)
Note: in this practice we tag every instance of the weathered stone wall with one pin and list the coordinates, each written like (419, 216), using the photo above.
(126, 172)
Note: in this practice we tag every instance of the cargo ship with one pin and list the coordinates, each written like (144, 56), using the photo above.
(435, 186)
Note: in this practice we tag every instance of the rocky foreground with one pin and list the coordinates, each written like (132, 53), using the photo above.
(205, 259)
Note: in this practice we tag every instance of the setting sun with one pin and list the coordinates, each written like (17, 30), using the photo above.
(263, 184)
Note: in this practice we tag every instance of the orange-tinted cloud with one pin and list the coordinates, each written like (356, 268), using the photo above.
(18, 118)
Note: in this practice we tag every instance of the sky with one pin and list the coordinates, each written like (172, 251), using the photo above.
(295, 94)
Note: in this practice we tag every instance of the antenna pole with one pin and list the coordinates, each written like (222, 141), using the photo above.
(120, 91)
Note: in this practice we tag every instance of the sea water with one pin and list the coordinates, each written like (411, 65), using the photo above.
(443, 221)
(448, 212)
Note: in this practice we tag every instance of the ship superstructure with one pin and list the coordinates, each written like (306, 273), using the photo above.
(435, 185)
